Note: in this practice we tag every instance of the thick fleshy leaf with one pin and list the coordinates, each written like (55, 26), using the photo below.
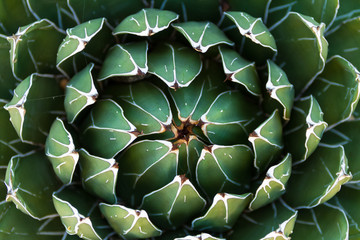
(348, 10)
(267, 141)
(34, 48)
(129, 223)
(106, 131)
(253, 28)
(281, 91)
(147, 22)
(229, 119)
(15, 225)
(300, 35)
(339, 80)
(175, 65)
(36, 101)
(79, 213)
(230, 168)
(174, 204)
(323, 222)
(273, 185)
(202, 35)
(60, 149)
(80, 93)
(99, 175)
(140, 163)
(87, 41)
(239, 70)
(30, 181)
(275, 221)
(7, 80)
(223, 212)
(202, 236)
(306, 189)
(125, 60)
(303, 133)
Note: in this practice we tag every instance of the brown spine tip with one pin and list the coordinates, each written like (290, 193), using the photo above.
(208, 148)
(136, 132)
(139, 72)
(198, 48)
(228, 77)
(64, 82)
(116, 165)
(137, 212)
(183, 178)
(222, 194)
(94, 97)
(151, 32)
(200, 123)
(253, 134)
(175, 86)
(85, 43)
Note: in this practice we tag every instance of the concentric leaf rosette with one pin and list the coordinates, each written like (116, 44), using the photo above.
(179, 119)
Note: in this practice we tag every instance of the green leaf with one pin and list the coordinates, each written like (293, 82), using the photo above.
(60, 149)
(202, 236)
(274, 221)
(144, 167)
(174, 204)
(267, 141)
(106, 131)
(99, 175)
(125, 60)
(146, 22)
(202, 35)
(273, 186)
(323, 222)
(34, 48)
(80, 93)
(332, 170)
(30, 182)
(280, 89)
(300, 35)
(230, 168)
(223, 212)
(32, 110)
(84, 42)
(175, 65)
(79, 213)
(7, 80)
(348, 10)
(305, 129)
(253, 28)
(239, 70)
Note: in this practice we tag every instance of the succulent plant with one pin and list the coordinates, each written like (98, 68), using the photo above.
(149, 119)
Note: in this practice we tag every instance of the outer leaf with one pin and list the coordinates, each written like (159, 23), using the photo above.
(146, 22)
(80, 93)
(175, 65)
(106, 131)
(32, 108)
(30, 182)
(273, 185)
(223, 212)
(202, 35)
(301, 35)
(60, 149)
(347, 10)
(7, 80)
(125, 60)
(174, 204)
(129, 223)
(331, 168)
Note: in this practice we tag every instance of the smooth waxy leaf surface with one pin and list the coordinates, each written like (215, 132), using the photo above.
(30, 181)
(32, 109)
(7, 80)
(129, 223)
(304, 131)
(125, 60)
(34, 47)
(347, 10)
(267, 141)
(239, 70)
(140, 163)
(99, 175)
(322, 222)
(202, 35)
(306, 189)
(60, 149)
(273, 186)
(274, 221)
(174, 204)
(80, 93)
(175, 65)
(147, 22)
(230, 168)
(106, 131)
(301, 35)
(223, 212)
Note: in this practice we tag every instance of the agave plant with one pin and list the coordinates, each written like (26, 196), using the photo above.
(180, 119)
